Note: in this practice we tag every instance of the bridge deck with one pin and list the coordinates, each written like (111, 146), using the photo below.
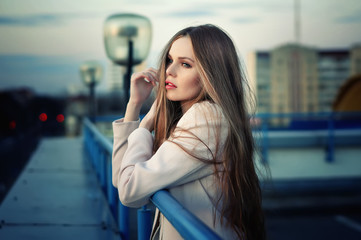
(57, 196)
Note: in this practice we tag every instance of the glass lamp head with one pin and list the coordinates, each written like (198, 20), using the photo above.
(120, 30)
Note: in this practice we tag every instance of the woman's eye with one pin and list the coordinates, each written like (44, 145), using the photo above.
(186, 65)
(169, 61)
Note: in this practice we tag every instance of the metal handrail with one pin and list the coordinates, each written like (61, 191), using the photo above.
(103, 141)
(329, 122)
(325, 115)
(100, 148)
(188, 225)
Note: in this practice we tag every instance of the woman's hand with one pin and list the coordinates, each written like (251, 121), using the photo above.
(141, 85)
(148, 120)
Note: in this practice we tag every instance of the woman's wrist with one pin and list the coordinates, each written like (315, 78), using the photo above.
(147, 124)
(132, 112)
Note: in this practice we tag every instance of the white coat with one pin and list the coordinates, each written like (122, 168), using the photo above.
(138, 173)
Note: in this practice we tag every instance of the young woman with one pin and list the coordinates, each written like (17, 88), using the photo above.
(202, 149)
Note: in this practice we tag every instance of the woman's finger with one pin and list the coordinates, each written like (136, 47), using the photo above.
(151, 76)
(148, 77)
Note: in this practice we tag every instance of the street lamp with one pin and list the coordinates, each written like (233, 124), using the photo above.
(127, 39)
(91, 73)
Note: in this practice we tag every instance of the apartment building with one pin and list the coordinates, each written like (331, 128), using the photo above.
(297, 78)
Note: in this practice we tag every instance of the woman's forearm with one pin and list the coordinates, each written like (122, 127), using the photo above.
(132, 112)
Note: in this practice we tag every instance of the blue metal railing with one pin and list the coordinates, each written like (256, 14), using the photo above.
(326, 130)
(189, 226)
(332, 128)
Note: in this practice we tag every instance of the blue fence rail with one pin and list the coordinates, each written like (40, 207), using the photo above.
(328, 130)
(189, 226)
(320, 129)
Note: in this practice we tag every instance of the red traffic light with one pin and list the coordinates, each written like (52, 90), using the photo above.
(43, 117)
(12, 124)
(60, 118)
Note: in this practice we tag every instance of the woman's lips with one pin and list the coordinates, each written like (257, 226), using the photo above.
(169, 85)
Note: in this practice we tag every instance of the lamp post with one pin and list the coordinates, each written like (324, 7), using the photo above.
(91, 73)
(127, 39)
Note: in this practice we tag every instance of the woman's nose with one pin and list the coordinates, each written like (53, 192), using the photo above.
(171, 70)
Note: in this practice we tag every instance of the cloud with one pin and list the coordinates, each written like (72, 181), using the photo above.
(40, 19)
(46, 74)
(245, 20)
(354, 18)
(13, 64)
(232, 5)
(32, 20)
(190, 13)
(260, 5)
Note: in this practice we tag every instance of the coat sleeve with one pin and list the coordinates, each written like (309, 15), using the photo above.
(142, 173)
(121, 132)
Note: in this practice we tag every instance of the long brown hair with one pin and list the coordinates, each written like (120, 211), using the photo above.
(224, 84)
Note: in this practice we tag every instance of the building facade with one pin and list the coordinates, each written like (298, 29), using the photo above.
(259, 72)
(356, 59)
(333, 69)
(295, 78)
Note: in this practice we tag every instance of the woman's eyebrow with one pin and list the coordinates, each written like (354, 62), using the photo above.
(181, 58)
(190, 59)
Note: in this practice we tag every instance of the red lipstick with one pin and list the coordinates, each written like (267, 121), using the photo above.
(169, 85)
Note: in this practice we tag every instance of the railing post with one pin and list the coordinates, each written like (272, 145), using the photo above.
(331, 140)
(264, 140)
(102, 169)
(92, 150)
(144, 223)
(111, 190)
(123, 220)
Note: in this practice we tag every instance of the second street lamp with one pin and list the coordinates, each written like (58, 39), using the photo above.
(91, 73)
(127, 39)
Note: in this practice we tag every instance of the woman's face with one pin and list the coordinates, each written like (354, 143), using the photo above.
(182, 78)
